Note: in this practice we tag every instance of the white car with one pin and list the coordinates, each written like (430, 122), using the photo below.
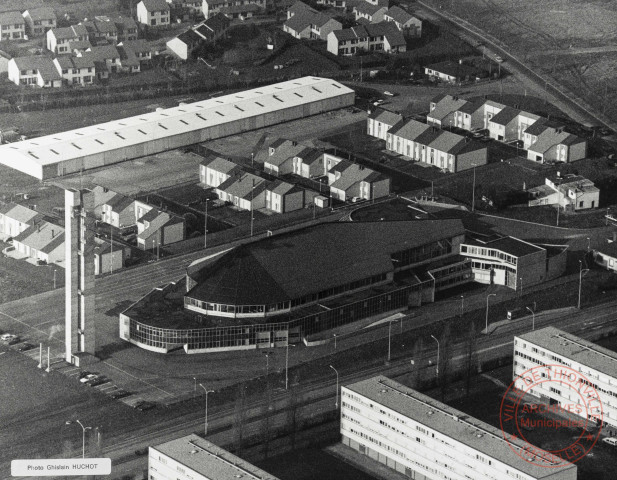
(498, 59)
(610, 440)
(389, 94)
(90, 376)
(7, 337)
(7, 250)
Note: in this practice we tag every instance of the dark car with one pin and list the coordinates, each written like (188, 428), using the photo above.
(14, 341)
(25, 346)
(143, 405)
(116, 394)
(96, 381)
(84, 373)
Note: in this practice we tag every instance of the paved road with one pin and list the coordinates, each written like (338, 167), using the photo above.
(318, 397)
(569, 102)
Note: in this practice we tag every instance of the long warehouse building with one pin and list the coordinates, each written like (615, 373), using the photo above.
(112, 142)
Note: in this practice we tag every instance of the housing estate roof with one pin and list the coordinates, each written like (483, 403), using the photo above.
(192, 36)
(428, 136)
(386, 116)
(218, 163)
(281, 188)
(41, 13)
(454, 69)
(20, 213)
(40, 236)
(206, 458)
(300, 7)
(575, 348)
(309, 155)
(447, 142)
(44, 65)
(550, 138)
(386, 29)
(127, 56)
(149, 215)
(445, 107)
(368, 8)
(409, 129)
(241, 184)
(155, 224)
(300, 21)
(471, 107)
(251, 7)
(505, 116)
(152, 5)
(323, 257)
(439, 97)
(284, 152)
(74, 31)
(510, 245)
(55, 242)
(140, 129)
(399, 15)
(118, 203)
(461, 428)
(354, 174)
(11, 18)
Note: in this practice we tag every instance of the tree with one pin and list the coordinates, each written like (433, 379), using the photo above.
(471, 356)
(239, 420)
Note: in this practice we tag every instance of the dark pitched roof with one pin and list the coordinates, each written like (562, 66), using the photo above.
(368, 8)
(471, 107)
(399, 15)
(149, 215)
(42, 13)
(323, 256)
(152, 5)
(505, 116)
(55, 243)
(389, 30)
(386, 116)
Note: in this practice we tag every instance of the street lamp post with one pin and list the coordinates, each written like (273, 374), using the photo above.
(533, 318)
(287, 365)
(83, 436)
(334, 334)
(336, 371)
(521, 278)
(194, 387)
(437, 369)
(206, 226)
(487, 297)
(607, 210)
(206, 413)
(462, 305)
(389, 338)
(473, 188)
(588, 244)
(54, 278)
(580, 281)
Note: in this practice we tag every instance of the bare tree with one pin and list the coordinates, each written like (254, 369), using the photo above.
(471, 355)
(239, 420)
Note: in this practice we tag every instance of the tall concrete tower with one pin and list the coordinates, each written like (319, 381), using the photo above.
(79, 244)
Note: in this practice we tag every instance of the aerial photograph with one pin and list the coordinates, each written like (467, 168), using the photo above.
(308, 239)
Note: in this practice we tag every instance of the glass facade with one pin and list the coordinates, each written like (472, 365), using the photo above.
(266, 334)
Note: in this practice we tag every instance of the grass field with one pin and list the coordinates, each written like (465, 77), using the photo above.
(552, 37)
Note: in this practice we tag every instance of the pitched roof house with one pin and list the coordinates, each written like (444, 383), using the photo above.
(382, 36)
(12, 26)
(39, 20)
(404, 21)
(35, 70)
(15, 218)
(58, 39)
(154, 13)
(453, 72)
(41, 241)
(380, 121)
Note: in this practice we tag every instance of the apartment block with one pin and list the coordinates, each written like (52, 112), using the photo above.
(551, 346)
(425, 439)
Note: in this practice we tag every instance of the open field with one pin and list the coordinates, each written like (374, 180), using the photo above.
(542, 34)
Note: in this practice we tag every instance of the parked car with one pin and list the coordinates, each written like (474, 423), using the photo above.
(6, 250)
(120, 393)
(87, 377)
(99, 380)
(144, 405)
(610, 441)
(25, 346)
(498, 59)
(41, 262)
(390, 94)
(8, 338)
(14, 340)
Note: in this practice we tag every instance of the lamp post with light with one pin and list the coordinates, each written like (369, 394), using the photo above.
(83, 436)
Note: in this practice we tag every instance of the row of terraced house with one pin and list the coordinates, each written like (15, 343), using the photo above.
(544, 140)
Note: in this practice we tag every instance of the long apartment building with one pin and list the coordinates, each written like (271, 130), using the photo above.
(553, 346)
(427, 440)
(194, 458)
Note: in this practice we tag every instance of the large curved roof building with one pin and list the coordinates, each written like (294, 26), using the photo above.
(283, 288)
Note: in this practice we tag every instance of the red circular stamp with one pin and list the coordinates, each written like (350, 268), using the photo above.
(550, 403)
